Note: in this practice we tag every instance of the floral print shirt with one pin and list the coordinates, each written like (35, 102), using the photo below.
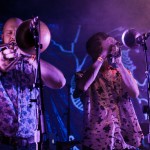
(17, 112)
(110, 121)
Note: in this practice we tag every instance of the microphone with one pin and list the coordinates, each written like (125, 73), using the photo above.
(131, 38)
(140, 39)
(34, 23)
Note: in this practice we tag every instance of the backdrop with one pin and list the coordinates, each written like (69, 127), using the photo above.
(71, 23)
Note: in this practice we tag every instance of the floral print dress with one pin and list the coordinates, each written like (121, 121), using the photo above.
(110, 121)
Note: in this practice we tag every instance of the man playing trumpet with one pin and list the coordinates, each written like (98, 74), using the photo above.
(17, 112)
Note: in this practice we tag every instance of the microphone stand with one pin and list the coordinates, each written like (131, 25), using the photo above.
(146, 108)
(68, 114)
(40, 126)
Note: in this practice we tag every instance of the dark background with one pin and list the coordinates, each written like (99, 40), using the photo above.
(71, 23)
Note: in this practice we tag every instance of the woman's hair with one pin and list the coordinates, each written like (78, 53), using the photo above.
(94, 42)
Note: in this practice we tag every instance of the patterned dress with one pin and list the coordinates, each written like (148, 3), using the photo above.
(17, 112)
(110, 121)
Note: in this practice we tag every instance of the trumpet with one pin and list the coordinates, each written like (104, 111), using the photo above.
(25, 41)
(7, 45)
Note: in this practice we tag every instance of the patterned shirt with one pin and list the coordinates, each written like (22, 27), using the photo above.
(110, 121)
(17, 112)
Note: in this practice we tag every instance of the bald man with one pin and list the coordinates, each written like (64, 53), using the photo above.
(17, 70)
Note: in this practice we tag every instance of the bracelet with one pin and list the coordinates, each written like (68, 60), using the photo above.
(100, 59)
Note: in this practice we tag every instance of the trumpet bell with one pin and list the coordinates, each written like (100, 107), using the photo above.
(25, 39)
(129, 38)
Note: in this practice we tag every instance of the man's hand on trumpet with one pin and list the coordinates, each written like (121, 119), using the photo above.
(8, 58)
